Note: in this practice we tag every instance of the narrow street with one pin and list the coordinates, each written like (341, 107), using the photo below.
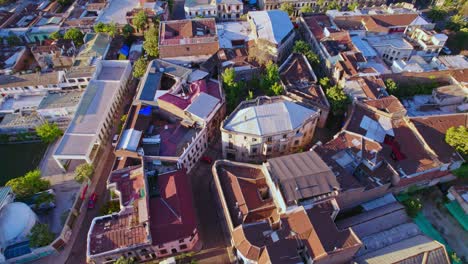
(209, 226)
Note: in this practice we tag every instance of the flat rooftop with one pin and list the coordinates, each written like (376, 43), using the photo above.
(94, 106)
(396, 41)
(116, 11)
(60, 100)
(13, 104)
(188, 31)
(233, 34)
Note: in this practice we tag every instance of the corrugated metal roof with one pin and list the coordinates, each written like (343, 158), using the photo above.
(266, 119)
(203, 105)
(303, 175)
(4, 192)
(273, 25)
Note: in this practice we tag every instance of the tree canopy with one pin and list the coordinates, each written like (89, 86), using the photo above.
(26, 186)
(110, 207)
(110, 28)
(457, 137)
(48, 132)
(124, 260)
(40, 236)
(304, 48)
(391, 86)
(13, 40)
(307, 9)
(353, 6)
(139, 68)
(127, 30)
(338, 99)
(150, 45)
(56, 35)
(74, 34)
(288, 8)
(231, 88)
(140, 20)
(84, 172)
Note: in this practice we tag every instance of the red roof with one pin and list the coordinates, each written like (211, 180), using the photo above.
(197, 87)
(172, 215)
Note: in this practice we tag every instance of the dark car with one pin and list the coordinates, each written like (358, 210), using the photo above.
(92, 201)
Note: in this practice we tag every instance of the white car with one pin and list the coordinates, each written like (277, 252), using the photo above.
(114, 140)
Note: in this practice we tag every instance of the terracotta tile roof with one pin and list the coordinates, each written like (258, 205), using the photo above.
(389, 104)
(317, 23)
(433, 130)
(373, 87)
(460, 75)
(243, 188)
(400, 139)
(172, 215)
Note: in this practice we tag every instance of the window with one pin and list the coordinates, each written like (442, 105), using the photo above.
(181, 241)
(254, 139)
(187, 48)
(296, 142)
(285, 135)
(245, 137)
(163, 252)
(183, 246)
(231, 145)
(230, 136)
(254, 150)
(269, 139)
(269, 149)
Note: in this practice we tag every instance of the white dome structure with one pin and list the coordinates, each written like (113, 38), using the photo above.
(16, 222)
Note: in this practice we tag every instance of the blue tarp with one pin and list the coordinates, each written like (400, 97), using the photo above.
(125, 50)
(145, 111)
(252, 2)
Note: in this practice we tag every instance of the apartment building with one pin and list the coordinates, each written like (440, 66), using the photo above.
(59, 107)
(220, 9)
(177, 112)
(157, 211)
(196, 38)
(267, 127)
(94, 117)
(300, 83)
(261, 233)
(273, 31)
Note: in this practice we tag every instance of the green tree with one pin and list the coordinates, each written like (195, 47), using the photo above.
(140, 20)
(288, 8)
(40, 236)
(56, 35)
(457, 137)
(75, 35)
(127, 31)
(413, 206)
(304, 48)
(276, 89)
(307, 9)
(150, 45)
(269, 78)
(26, 186)
(84, 172)
(13, 40)
(338, 99)
(250, 95)
(111, 29)
(391, 85)
(437, 14)
(48, 132)
(110, 207)
(139, 68)
(99, 27)
(461, 172)
(325, 82)
(231, 88)
(353, 6)
(333, 6)
(124, 260)
(65, 2)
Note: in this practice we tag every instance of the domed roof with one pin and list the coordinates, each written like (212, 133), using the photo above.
(16, 222)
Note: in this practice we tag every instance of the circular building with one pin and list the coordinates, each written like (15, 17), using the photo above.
(16, 222)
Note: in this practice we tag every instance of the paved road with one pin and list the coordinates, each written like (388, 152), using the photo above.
(211, 232)
(178, 10)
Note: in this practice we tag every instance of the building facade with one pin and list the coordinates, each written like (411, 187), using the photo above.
(267, 127)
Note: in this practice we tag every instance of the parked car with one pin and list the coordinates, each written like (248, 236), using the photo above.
(114, 140)
(207, 159)
(92, 201)
(446, 50)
